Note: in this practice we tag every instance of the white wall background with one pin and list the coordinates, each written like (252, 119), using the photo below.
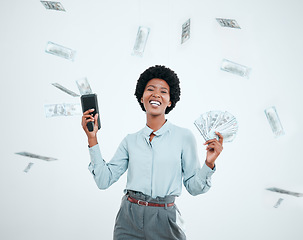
(59, 200)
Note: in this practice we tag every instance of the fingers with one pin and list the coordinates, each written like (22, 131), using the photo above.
(215, 140)
(215, 146)
(87, 117)
(88, 111)
(210, 141)
(96, 126)
(87, 114)
(220, 137)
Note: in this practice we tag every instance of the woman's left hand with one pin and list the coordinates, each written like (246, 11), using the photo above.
(213, 149)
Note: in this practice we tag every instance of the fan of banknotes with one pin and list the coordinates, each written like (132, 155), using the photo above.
(217, 121)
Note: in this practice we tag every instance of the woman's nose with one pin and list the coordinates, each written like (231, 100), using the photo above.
(156, 94)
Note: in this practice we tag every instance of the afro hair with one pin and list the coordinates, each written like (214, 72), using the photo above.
(165, 74)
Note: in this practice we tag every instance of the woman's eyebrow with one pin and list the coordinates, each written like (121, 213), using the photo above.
(155, 87)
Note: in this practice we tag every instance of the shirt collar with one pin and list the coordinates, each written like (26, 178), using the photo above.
(148, 131)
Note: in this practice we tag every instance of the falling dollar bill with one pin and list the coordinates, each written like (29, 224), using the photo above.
(28, 167)
(59, 86)
(62, 109)
(72, 109)
(279, 190)
(60, 51)
(53, 5)
(278, 203)
(31, 155)
(185, 31)
(228, 23)
(274, 121)
(141, 40)
(235, 68)
(83, 86)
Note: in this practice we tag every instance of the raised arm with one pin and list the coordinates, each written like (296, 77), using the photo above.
(197, 179)
(105, 174)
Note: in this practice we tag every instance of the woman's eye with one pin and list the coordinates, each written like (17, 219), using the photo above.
(163, 92)
(149, 89)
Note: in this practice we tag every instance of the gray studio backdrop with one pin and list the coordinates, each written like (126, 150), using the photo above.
(59, 199)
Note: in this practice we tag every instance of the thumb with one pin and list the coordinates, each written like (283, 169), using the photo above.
(96, 121)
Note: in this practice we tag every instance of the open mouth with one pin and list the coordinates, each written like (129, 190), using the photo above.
(155, 103)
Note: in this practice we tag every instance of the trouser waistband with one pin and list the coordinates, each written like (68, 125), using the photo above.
(146, 198)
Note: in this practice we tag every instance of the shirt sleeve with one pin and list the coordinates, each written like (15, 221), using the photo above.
(196, 179)
(105, 174)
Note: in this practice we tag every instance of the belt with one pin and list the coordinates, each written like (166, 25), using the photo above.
(143, 203)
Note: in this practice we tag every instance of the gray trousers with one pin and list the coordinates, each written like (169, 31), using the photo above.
(134, 222)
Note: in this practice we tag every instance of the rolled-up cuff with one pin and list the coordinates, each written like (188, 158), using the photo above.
(205, 173)
(95, 155)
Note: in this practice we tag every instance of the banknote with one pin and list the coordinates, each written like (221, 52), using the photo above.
(235, 68)
(217, 121)
(141, 40)
(32, 155)
(274, 121)
(59, 86)
(28, 167)
(60, 51)
(228, 23)
(185, 31)
(278, 202)
(72, 109)
(62, 109)
(279, 190)
(53, 5)
(83, 86)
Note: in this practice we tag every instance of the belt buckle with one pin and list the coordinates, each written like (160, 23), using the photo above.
(143, 203)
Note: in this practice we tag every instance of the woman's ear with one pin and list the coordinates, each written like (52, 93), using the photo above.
(142, 100)
(169, 104)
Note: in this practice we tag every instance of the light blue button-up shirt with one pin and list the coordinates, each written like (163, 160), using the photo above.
(155, 168)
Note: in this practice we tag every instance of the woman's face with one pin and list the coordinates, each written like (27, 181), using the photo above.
(156, 97)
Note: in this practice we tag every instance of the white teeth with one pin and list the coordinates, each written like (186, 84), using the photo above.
(155, 103)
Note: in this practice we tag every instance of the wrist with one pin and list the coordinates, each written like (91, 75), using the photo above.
(210, 164)
(92, 141)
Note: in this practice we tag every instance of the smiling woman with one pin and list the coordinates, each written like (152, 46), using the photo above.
(158, 158)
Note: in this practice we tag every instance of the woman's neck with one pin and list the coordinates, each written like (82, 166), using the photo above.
(155, 123)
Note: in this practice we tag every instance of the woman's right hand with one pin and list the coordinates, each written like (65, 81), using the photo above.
(87, 117)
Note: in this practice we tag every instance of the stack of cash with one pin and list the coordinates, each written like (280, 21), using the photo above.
(32, 155)
(53, 5)
(278, 202)
(217, 121)
(60, 51)
(28, 167)
(274, 121)
(231, 23)
(185, 31)
(235, 68)
(62, 109)
(279, 190)
(141, 40)
(83, 86)
(59, 86)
